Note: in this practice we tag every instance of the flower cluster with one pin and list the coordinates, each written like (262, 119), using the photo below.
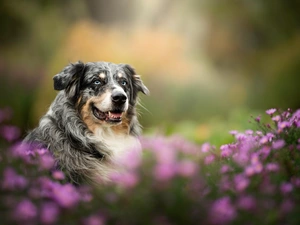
(255, 179)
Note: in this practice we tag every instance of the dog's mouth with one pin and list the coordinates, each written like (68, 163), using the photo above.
(113, 116)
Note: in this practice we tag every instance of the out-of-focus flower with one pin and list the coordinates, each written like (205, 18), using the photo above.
(49, 213)
(58, 175)
(278, 144)
(286, 188)
(282, 125)
(272, 167)
(186, 168)
(205, 147)
(46, 161)
(12, 181)
(276, 118)
(10, 133)
(257, 119)
(94, 220)
(287, 206)
(233, 132)
(222, 211)
(125, 179)
(164, 172)
(225, 169)
(241, 182)
(25, 211)
(225, 151)
(209, 159)
(264, 140)
(271, 111)
(65, 195)
(249, 132)
(246, 202)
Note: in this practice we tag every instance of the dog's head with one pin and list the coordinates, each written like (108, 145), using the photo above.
(104, 93)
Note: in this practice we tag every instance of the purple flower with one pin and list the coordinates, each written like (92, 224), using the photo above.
(271, 111)
(94, 220)
(246, 202)
(58, 175)
(282, 125)
(205, 147)
(249, 132)
(126, 179)
(278, 144)
(257, 119)
(209, 159)
(12, 181)
(272, 167)
(287, 206)
(164, 172)
(286, 188)
(49, 213)
(222, 211)
(10, 133)
(46, 161)
(276, 118)
(225, 169)
(241, 182)
(264, 140)
(65, 195)
(233, 132)
(25, 211)
(186, 168)
(225, 151)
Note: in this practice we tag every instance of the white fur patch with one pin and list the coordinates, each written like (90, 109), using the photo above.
(122, 148)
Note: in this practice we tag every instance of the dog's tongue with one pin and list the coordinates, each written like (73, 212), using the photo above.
(114, 114)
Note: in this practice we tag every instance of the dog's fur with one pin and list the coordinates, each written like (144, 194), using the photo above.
(92, 121)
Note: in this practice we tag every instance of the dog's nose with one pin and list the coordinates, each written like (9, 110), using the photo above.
(118, 98)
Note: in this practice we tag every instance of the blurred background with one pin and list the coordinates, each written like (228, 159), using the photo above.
(209, 64)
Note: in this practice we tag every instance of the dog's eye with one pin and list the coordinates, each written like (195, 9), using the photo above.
(97, 82)
(124, 82)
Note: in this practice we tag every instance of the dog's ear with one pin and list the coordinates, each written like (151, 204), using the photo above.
(136, 79)
(70, 73)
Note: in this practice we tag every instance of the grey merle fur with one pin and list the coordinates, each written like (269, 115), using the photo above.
(62, 129)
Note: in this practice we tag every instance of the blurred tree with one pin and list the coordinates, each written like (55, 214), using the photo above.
(259, 39)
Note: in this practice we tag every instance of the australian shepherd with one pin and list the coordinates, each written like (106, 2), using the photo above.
(93, 121)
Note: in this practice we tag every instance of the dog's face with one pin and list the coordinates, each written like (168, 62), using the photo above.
(104, 93)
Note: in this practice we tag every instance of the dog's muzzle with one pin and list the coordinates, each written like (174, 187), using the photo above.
(118, 107)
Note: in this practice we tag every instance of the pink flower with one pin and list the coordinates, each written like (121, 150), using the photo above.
(49, 213)
(186, 168)
(65, 195)
(209, 159)
(278, 144)
(272, 167)
(13, 181)
(257, 119)
(233, 132)
(222, 211)
(286, 188)
(46, 161)
(58, 175)
(225, 169)
(276, 118)
(94, 220)
(164, 172)
(127, 179)
(10, 133)
(205, 147)
(25, 211)
(225, 151)
(246, 202)
(241, 182)
(271, 111)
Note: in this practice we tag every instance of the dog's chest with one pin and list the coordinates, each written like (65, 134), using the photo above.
(119, 145)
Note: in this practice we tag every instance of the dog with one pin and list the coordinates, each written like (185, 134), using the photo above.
(93, 120)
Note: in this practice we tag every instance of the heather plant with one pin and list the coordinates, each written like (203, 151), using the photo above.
(253, 180)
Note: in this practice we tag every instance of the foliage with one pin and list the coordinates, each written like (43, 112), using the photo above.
(255, 179)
